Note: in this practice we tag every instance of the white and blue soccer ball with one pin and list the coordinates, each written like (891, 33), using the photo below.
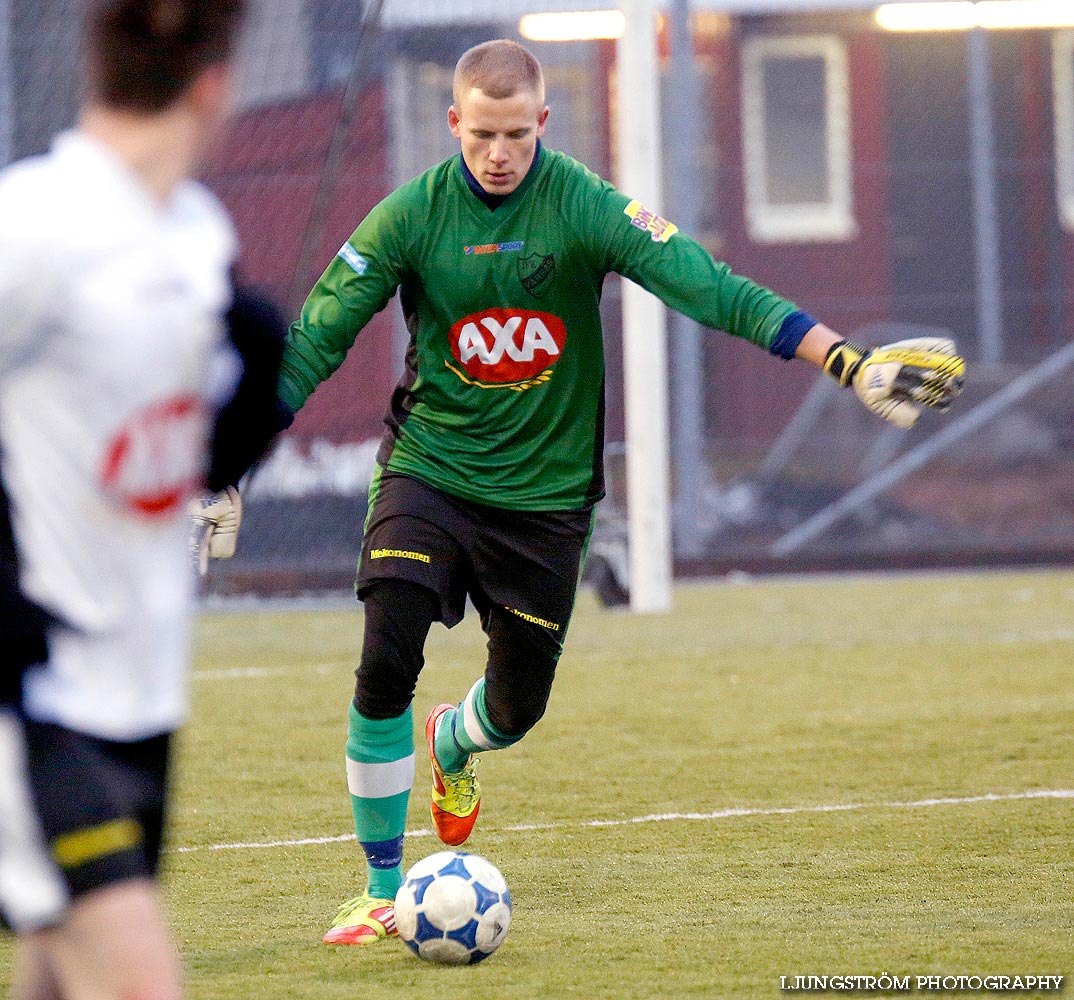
(453, 908)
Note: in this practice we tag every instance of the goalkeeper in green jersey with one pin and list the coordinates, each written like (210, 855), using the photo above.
(492, 461)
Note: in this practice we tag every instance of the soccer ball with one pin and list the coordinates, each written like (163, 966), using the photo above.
(453, 908)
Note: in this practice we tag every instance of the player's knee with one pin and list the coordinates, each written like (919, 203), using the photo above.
(519, 675)
(516, 699)
(383, 688)
(386, 676)
(398, 616)
(518, 716)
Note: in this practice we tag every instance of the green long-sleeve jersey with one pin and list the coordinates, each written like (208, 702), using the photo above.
(502, 398)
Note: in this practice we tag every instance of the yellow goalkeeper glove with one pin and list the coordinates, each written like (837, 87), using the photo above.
(898, 380)
(215, 528)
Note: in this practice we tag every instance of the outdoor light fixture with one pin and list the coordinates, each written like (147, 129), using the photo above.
(943, 15)
(963, 15)
(573, 26)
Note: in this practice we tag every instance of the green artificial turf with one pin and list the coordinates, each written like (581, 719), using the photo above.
(748, 788)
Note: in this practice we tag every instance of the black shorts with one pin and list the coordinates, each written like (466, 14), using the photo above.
(76, 813)
(527, 562)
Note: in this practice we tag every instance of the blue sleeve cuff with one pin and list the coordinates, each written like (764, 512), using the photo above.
(790, 335)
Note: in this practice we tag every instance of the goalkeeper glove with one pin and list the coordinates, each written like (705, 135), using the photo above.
(897, 380)
(215, 528)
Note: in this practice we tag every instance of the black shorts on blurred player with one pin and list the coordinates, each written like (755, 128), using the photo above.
(86, 812)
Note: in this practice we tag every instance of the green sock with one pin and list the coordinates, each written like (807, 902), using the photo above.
(466, 730)
(380, 773)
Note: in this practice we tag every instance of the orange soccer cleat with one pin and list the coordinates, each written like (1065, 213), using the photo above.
(456, 798)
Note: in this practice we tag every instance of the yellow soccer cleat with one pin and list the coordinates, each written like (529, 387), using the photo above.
(456, 798)
(363, 920)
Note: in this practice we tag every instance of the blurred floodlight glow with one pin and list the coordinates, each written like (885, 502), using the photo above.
(1026, 14)
(962, 15)
(946, 15)
(572, 26)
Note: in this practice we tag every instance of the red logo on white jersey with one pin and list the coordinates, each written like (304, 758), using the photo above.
(154, 462)
(507, 346)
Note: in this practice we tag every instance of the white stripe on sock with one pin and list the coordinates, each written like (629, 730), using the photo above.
(379, 781)
(474, 732)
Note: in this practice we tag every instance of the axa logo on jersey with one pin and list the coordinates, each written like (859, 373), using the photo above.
(507, 346)
(153, 463)
(535, 337)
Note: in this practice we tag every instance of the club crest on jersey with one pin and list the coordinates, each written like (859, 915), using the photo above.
(506, 348)
(659, 230)
(536, 272)
(153, 463)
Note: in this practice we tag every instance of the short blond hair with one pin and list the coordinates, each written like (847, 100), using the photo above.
(499, 69)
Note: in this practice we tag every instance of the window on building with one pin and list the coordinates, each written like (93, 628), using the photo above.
(796, 139)
(1063, 90)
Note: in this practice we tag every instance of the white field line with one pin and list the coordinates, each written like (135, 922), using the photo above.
(903, 640)
(236, 673)
(670, 817)
(255, 673)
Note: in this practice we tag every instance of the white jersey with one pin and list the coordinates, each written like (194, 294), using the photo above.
(111, 309)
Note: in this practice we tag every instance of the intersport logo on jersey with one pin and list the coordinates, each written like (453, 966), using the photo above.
(511, 348)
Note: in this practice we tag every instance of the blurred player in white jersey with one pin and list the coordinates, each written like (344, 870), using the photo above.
(114, 285)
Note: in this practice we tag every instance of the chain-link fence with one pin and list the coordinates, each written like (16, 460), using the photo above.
(891, 185)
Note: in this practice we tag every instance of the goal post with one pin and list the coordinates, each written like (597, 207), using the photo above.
(638, 173)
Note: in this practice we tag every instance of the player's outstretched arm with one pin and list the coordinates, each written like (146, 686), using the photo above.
(896, 381)
(244, 427)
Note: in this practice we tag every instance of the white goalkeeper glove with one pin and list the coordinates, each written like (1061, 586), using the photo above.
(215, 528)
(898, 380)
